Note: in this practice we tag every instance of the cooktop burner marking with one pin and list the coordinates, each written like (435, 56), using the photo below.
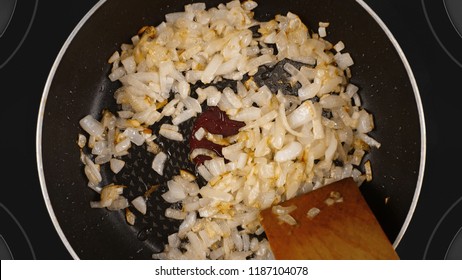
(454, 11)
(456, 243)
(6, 13)
(455, 249)
(10, 15)
(5, 252)
(10, 222)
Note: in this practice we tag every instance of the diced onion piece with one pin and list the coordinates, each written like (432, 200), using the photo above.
(116, 74)
(92, 172)
(182, 117)
(215, 194)
(130, 217)
(281, 210)
(158, 163)
(176, 192)
(134, 136)
(209, 73)
(129, 64)
(313, 212)
(309, 91)
(369, 140)
(109, 194)
(261, 121)
(116, 165)
(188, 176)
(288, 219)
(123, 145)
(285, 123)
(204, 172)
(82, 141)
(91, 125)
(339, 46)
(351, 89)
(302, 115)
(289, 152)
(248, 114)
(140, 204)
(322, 32)
(368, 169)
(329, 201)
(216, 166)
(175, 214)
(118, 204)
(200, 133)
(187, 224)
(171, 134)
(115, 56)
(343, 60)
(192, 104)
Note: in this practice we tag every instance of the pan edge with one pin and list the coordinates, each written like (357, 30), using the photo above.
(418, 100)
(40, 124)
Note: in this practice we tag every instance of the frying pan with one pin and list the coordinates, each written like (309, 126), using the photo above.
(78, 85)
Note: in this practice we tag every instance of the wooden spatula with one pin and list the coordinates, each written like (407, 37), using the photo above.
(333, 222)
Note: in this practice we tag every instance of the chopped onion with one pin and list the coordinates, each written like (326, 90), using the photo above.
(140, 204)
(287, 146)
(118, 204)
(343, 60)
(92, 172)
(182, 117)
(281, 210)
(339, 46)
(288, 152)
(205, 173)
(248, 114)
(130, 217)
(158, 163)
(91, 125)
(288, 219)
(313, 212)
(123, 145)
(82, 141)
(212, 67)
(322, 32)
(175, 214)
(368, 168)
(200, 133)
(116, 165)
(302, 115)
(171, 134)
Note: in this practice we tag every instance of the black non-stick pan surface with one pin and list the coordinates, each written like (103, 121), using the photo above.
(78, 85)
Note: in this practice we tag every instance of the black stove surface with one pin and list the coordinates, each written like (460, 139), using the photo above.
(33, 32)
